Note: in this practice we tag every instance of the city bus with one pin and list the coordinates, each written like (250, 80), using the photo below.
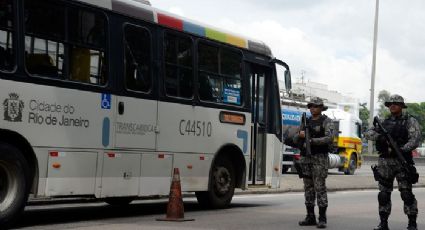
(104, 98)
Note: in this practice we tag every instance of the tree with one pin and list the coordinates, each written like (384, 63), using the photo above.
(364, 116)
(418, 111)
(383, 96)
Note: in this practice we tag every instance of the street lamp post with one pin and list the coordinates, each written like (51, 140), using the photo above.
(372, 84)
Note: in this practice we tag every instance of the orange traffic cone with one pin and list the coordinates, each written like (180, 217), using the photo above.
(175, 208)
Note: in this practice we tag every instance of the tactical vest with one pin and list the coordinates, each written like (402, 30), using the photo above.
(397, 128)
(317, 130)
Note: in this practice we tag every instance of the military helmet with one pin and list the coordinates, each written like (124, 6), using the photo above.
(318, 102)
(395, 99)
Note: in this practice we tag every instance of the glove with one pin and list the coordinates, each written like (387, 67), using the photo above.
(382, 144)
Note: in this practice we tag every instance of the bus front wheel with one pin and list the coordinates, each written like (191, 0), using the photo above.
(14, 189)
(222, 186)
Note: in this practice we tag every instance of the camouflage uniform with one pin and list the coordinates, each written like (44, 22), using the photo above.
(405, 128)
(315, 166)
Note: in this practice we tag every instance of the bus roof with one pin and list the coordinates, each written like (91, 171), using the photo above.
(138, 9)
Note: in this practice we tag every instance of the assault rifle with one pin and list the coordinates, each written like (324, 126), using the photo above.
(304, 146)
(307, 138)
(410, 170)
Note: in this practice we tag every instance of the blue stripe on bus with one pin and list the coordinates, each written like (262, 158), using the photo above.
(242, 134)
(192, 28)
(105, 131)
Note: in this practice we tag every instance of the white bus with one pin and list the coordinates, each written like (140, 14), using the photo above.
(103, 98)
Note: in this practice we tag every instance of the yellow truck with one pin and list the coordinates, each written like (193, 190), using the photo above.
(347, 147)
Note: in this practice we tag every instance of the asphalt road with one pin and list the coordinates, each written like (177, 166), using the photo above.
(348, 210)
(353, 208)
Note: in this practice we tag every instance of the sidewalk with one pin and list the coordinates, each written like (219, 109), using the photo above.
(334, 182)
(418, 160)
(291, 183)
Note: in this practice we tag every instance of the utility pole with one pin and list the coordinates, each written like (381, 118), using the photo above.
(372, 84)
(302, 76)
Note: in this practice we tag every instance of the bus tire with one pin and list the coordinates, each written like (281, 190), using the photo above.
(119, 201)
(222, 186)
(14, 184)
(352, 165)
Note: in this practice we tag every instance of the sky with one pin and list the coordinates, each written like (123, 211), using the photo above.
(330, 41)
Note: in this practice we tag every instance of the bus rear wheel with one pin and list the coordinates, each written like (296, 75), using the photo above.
(13, 184)
(222, 186)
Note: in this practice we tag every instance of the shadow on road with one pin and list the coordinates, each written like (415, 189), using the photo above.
(329, 173)
(90, 212)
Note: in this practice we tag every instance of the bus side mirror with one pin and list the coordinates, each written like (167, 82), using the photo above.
(288, 82)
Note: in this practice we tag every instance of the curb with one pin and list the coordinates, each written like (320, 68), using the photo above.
(271, 191)
(417, 160)
(50, 201)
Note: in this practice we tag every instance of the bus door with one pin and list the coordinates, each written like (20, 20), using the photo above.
(257, 75)
(136, 116)
(137, 111)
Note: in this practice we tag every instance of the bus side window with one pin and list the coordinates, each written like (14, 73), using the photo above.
(216, 84)
(178, 66)
(79, 64)
(87, 32)
(54, 43)
(137, 58)
(7, 60)
(205, 88)
(43, 47)
(230, 63)
(209, 85)
(42, 64)
(2, 58)
(220, 75)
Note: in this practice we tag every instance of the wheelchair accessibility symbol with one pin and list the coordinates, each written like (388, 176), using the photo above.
(105, 101)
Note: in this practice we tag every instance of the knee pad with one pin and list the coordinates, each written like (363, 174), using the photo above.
(384, 198)
(407, 196)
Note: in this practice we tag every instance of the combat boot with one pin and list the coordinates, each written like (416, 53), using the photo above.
(310, 219)
(412, 223)
(322, 217)
(383, 225)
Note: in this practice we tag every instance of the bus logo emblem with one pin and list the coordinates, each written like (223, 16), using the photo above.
(13, 108)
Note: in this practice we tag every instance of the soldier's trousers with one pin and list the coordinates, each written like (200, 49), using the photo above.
(390, 168)
(315, 167)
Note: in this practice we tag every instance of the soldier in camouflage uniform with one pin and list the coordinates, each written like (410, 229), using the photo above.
(405, 131)
(315, 166)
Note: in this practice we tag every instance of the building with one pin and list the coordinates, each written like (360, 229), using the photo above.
(303, 91)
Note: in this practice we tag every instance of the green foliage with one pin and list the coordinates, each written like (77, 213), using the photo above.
(418, 111)
(382, 97)
(364, 116)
